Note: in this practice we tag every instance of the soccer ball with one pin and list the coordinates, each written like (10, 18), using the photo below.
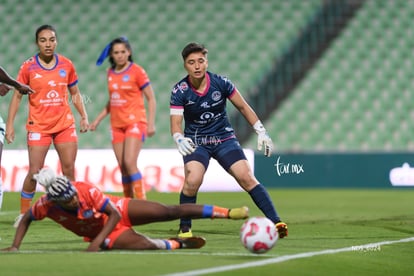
(258, 234)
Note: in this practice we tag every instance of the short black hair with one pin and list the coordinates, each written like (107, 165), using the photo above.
(193, 47)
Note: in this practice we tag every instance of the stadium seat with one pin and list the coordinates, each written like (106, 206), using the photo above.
(360, 87)
(242, 44)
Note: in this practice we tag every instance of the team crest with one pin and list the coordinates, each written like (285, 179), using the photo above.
(62, 73)
(216, 96)
(87, 213)
(125, 78)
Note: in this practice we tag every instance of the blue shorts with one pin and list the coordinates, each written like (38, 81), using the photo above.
(226, 153)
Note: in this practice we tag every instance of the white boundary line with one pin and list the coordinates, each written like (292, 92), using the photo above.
(286, 258)
(280, 259)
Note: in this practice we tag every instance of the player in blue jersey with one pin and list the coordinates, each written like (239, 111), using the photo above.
(200, 99)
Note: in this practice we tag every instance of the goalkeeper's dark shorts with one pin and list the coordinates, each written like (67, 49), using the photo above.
(226, 152)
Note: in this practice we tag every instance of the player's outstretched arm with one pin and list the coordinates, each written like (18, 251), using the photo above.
(13, 108)
(8, 81)
(263, 138)
(20, 233)
(4, 89)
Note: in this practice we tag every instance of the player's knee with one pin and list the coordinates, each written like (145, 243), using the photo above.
(190, 188)
(69, 170)
(247, 181)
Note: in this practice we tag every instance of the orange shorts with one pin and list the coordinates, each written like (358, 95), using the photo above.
(123, 225)
(45, 139)
(137, 130)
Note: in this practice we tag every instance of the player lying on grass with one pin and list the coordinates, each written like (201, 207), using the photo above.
(106, 221)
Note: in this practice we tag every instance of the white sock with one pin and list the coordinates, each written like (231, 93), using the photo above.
(160, 244)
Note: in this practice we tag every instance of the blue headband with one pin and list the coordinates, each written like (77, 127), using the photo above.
(105, 52)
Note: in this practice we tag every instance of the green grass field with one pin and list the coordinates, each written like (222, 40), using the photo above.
(319, 220)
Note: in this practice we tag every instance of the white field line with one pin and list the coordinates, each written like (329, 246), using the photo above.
(267, 261)
(281, 259)
(6, 213)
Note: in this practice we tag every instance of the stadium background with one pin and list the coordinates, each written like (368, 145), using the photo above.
(331, 80)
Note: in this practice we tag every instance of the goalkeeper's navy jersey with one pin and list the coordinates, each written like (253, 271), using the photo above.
(205, 113)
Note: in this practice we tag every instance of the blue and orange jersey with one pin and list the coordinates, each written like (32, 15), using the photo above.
(204, 112)
(87, 221)
(125, 95)
(49, 109)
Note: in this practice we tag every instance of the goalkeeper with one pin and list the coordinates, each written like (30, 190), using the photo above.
(200, 100)
(106, 221)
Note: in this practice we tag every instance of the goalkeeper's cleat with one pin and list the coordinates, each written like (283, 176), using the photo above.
(282, 229)
(190, 243)
(185, 232)
(239, 213)
(17, 220)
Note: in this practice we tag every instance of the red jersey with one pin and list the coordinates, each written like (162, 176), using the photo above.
(49, 109)
(88, 220)
(126, 97)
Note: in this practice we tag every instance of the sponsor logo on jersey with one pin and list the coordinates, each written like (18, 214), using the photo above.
(183, 86)
(52, 94)
(205, 105)
(52, 83)
(34, 136)
(206, 116)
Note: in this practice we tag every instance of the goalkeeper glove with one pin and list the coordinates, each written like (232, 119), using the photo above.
(263, 139)
(185, 145)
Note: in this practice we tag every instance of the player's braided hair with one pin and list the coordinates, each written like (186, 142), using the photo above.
(58, 188)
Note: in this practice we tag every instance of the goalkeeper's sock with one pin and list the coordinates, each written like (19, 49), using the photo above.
(127, 186)
(25, 201)
(139, 190)
(186, 199)
(262, 200)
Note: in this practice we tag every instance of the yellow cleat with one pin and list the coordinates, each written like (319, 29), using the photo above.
(239, 213)
(185, 232)
(282, 229)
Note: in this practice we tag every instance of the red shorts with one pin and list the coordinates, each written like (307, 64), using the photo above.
(45, 139)
(137, 130)
(123, 225)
